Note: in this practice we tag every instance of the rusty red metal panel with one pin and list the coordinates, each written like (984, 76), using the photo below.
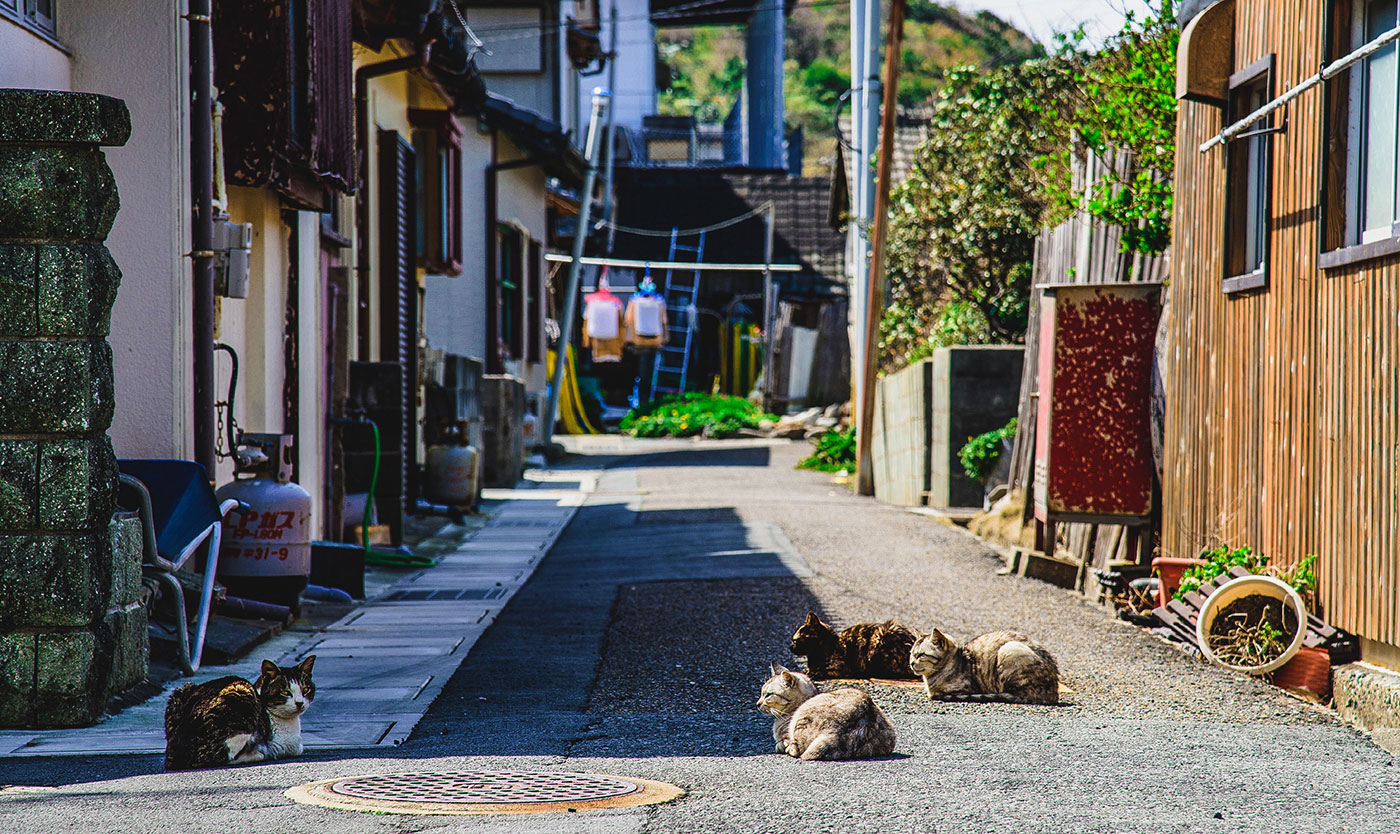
(1093, 435)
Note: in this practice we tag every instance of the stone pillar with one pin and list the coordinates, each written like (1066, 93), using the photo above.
(503, 430)
(71, 630)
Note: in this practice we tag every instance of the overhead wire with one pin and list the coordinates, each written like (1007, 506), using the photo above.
(723, 224)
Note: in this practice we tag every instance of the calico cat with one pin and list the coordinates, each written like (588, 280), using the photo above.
(865, 650)
(232, 721)
(997, 666)
(842, 724)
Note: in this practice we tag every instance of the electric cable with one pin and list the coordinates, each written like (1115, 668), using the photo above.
(723, 224)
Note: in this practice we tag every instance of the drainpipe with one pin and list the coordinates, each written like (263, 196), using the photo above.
(418, 59)
(493, 353)
(202, 228)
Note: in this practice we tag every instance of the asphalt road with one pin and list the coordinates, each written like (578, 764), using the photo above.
(639, 646)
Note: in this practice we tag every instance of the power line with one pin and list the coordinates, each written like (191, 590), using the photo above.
(723, 224)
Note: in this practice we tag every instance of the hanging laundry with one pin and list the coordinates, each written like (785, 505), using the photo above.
(646, 317)
(602, 324)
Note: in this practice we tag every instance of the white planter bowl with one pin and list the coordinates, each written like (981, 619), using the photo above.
(1250, 586)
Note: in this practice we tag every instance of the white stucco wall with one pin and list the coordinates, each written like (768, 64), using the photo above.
(29, 62)
(455, 312)
(634, 81)
(150, 320)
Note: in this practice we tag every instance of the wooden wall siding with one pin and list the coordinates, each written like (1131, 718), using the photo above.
(1282, 425)
(1079, 250)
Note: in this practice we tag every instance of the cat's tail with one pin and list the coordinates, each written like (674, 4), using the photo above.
(985, 698)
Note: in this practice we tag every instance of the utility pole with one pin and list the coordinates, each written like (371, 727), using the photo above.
(770, 309)
(865, 120)
(875, 301)
(610, 149)
(585, 207)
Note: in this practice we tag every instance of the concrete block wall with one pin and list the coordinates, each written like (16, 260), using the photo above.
(976, 389)
(72, 631)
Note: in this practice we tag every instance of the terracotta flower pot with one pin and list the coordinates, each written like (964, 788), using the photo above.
(1170, 569)
(1309, 670)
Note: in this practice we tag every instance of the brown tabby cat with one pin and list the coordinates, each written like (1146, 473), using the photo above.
(997, 666)
(865, 650)
(231, 721)
(842, 724)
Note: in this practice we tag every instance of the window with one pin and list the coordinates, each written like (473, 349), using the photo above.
(1248, 180)
(38, 15)
(1361, 200)
(510, 281)
(437, 138)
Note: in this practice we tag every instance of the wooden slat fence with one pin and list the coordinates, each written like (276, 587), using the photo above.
(1079, 250)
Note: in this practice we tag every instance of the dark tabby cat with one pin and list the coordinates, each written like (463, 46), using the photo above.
(231, 721)
(997, 666)
(865, 650)
(842, 724)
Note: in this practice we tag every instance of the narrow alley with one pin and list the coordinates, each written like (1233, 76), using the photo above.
(639, 645)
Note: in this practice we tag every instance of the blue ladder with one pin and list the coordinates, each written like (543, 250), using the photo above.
(672, 366)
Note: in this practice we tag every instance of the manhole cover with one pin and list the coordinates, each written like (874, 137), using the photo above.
(483, 792)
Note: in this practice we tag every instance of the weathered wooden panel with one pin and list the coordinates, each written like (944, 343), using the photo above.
(1282, 426)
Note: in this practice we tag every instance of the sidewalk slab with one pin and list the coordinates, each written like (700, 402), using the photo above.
(378, 668)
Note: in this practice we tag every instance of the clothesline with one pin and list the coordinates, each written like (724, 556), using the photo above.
(723, 224)
(559, 257)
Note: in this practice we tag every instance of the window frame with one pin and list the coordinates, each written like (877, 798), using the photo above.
(1338, 198)
(438, 138)
(1240, 83)
(24, 13)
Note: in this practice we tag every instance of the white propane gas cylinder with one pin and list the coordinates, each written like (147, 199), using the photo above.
(266, 554)
(451, 474)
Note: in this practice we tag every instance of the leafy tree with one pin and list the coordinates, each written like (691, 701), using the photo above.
(964, 223)
(1121, 106)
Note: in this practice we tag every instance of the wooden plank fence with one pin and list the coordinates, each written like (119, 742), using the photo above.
(1080, 250)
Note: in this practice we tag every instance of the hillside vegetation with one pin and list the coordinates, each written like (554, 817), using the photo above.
(703, 67)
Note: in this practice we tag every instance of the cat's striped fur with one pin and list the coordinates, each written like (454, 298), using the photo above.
(842, 724)
(996, 666)
(865, 650)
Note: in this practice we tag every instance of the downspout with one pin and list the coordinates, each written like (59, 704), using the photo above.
(417, 60)
(202, 229)
(493, 353)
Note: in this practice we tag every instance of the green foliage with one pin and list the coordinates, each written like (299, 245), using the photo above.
(963, 224)
(909, 333)
(1217, 562)
(981, 454)
(701, 68)
(690, 414)
(1123, 102)
(1302, 577)
(835, 450)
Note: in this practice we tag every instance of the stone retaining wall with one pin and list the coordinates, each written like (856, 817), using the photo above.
(72, 632)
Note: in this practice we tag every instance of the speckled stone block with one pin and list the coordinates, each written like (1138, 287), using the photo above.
(56, 193)
(77, 286)
(77, 484)
(125, 532)
(55, 387)
(19, 485)
(131, 648)
(17, 658)
(73, 671)
(59, 118)
(1368, 697)
(19, 289)
(51, 580)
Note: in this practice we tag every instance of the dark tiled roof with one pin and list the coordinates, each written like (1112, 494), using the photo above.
(543, 139)
(662, 198)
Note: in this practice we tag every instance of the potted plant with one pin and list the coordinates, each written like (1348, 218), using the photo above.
(1252, 624)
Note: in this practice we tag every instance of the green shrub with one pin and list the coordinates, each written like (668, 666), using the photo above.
(835, 450)
(1218, 561)
(690, 414)
(981, 454)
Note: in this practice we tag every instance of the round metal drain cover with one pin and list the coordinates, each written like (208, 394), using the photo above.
(483, 792)
(485, 786)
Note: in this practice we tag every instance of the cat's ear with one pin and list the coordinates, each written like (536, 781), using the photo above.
(788, 678)
(775, 669)
(812, 619)
(939, 637)
(304, 667)
(269, 668)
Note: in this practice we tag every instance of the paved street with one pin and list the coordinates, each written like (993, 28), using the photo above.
(638, 646)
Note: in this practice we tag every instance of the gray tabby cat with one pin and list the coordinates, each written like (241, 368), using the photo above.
(841, 724)
(997, 666)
